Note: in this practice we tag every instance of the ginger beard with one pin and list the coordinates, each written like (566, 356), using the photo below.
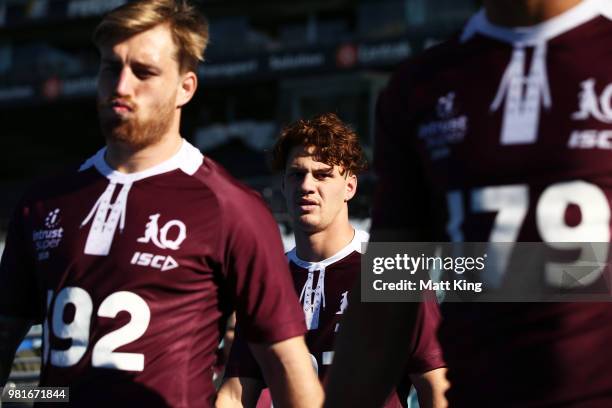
(132, 128)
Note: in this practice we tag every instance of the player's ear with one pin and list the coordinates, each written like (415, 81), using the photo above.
(351, 186)
(187, 88)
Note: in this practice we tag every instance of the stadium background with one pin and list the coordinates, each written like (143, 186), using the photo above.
(269, 63)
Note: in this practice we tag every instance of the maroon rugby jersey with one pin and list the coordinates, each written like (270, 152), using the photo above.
(506, 135)
(133, 276)
(323, 287)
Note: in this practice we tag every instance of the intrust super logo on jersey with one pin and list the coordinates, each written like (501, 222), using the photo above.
(448, 128)
(48, 237)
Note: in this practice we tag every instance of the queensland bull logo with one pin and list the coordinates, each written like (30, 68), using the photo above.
(343, 303)
(592, 105)
(170, 236)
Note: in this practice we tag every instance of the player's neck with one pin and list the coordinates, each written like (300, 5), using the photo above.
(523, 13)
(126, 159)
(315, 247)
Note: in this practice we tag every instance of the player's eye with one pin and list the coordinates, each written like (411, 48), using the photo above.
(143, 73)
(322, 176)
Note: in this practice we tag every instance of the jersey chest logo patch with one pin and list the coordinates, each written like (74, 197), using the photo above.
(170, 236)
(161, 262)
(599, 107)
(162, 237)
(446, 129)
(50, 236)
(591, 105)
(341, 309)
(343, 303)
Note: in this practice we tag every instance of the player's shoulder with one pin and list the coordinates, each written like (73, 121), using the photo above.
(415, 77)
(232, 195)
(57, 184)
(228, 188)
(431, 60)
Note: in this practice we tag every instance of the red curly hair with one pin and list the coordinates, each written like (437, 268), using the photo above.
(334, 143)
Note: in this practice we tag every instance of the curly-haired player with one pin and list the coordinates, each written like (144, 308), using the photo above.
(320, 159)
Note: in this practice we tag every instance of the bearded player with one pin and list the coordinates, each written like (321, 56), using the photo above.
(320, 160)
(133, 261)
(501, 134)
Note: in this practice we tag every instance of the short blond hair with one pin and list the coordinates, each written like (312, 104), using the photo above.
(188, 26)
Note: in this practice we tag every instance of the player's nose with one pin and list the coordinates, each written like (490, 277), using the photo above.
(124, 84)
(307, 183)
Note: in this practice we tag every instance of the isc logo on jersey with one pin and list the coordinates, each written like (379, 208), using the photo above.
(593, 106)
(170, 236)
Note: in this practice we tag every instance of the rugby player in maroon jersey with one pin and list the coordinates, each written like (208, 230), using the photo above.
(133, 261)
(501, 134)
(320, 159)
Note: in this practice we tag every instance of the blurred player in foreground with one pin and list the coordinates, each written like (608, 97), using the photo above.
(501, 134)
(320, 160)
(133, 261)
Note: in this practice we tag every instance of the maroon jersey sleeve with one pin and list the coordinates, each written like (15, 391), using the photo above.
(265, 301)
(425, 351)
(241, 362)
(19, 293)
(426, 354)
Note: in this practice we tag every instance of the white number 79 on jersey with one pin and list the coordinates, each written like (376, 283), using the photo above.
(77, 331)
(511, 203)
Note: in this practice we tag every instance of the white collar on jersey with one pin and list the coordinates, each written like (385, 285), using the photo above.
(526, 90)
(106, 215)
(312, 307)
(536, 34)
(188, 159)
(355, 245)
